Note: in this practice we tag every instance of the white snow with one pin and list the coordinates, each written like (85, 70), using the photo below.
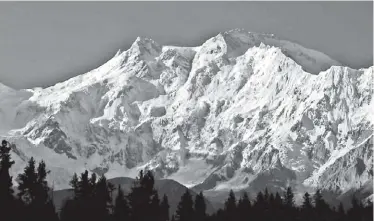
(239, 102)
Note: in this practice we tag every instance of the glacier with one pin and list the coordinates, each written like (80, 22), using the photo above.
(242, 111)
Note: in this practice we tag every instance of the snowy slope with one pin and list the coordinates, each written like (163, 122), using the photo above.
(243, 110)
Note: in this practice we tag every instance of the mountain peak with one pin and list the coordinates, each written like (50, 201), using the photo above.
(238, 41)
(146, 45)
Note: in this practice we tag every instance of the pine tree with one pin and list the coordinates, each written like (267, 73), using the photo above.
(121, 207)
(164, 209)
(111, 189)
(289, 201)
(260, 203)
(84, 186)
(101, 198)
(71, 208)
(27, 183)
(42, 189)
(200, 207)
(74, 184)
(321, 207)
(319, 202)
(267, 214)
(6, 190)
(307, 207)
(140, 197)
(185, 211)
(244, 207)
(307, 203)
(92, 183)
(43, 201)
(272, 200)
(278, 200)
(155, 209)
(278, 207)
(272, 208)
(7, 201)
(84, 205)
(34, 192)
(230, 207)
(266, 195)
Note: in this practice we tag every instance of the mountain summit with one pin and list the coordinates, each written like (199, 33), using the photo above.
(241, 111)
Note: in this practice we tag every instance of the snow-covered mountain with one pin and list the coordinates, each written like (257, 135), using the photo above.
(243, 110)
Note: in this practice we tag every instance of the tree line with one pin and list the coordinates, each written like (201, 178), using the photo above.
(93, 200)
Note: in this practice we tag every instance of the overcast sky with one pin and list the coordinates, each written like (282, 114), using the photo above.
(46, 42)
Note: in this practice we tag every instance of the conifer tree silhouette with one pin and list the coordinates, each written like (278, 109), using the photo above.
(92, 201)
(121, 207)
(74, 184)
(27, 182)
(278, 200)
(289, 200)
(155, 209)
(244, 207)
(307, 203)
(43, 200)
(89, 201)
(200, 207)
(289, 204)
(164, 207)
(34, 192)
(259, 206)
(266, 195)
(266, 211)
(321, 207)
(231, 207)
(101, 199)
(185, 211)
(7, 200)
(307, 207)
(141, 196)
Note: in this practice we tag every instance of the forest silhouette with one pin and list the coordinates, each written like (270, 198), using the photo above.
(93, 200)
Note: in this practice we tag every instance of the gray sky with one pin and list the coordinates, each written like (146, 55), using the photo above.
(43, 43)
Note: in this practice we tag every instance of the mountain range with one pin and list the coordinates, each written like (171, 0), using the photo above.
(243, 111)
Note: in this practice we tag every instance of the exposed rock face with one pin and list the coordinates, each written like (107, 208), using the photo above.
(241, 111)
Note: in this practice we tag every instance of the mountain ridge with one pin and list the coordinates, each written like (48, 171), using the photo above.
(209, 115)
(142, 40)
